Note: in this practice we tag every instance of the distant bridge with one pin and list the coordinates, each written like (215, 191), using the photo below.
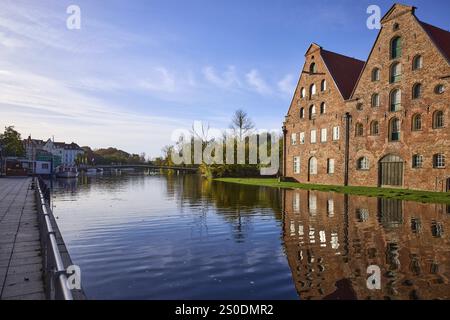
(141, 166)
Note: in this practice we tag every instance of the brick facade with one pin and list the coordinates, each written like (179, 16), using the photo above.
(324, 120)
(373, 122)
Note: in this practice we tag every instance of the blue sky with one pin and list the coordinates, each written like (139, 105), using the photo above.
(138, 70)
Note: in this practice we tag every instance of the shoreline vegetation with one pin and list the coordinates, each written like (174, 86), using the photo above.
(399, 194)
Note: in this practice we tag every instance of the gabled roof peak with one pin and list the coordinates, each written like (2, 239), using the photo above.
(313, 48)
(396, 10)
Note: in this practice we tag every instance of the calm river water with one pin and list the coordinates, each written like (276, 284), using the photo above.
(182, 237)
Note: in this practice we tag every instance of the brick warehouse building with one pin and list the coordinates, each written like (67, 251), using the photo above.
(384, 122)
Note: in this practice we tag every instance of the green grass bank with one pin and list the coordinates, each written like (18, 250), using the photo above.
(400, 194)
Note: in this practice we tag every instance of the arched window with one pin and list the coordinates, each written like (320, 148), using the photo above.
(396, 100)
(359, 130)
(417, 62)
(374, 128)
(313, 166)
(376, 74)
(302, 93)
(396, 72)
(417, 161)
(312, 68)
(362, 163)
(439, 161)
(416, 122)
(323, 85)
(375, 100)
(394, 129)
(312, 112)
(417, 91)
(323, 108)
(312, 90)
(438, 120)
(396, 48)
(302, 113)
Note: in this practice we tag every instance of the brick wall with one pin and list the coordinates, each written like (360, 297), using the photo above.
(426, 142)
(332, 117)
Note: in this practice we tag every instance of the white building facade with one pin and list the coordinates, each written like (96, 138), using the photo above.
(68, 152)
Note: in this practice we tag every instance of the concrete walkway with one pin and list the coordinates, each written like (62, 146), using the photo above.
(21, 274)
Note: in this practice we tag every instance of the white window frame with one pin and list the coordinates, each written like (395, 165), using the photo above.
(313, 89)
(293, 139)
(336, 133)
(313, 139)
(363, 164)
(330, 166)
(323, 135)
(439, 161)
(296, 165)
(302, 138)
(313, 166)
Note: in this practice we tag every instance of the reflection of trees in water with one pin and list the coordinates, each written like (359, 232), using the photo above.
(194, 190)
(235, 203)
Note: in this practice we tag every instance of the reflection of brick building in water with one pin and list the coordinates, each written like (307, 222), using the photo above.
(333, 237)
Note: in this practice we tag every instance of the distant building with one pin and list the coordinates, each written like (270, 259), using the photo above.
(40, 161)
(32, 146)
(384, 122)
(67, 152)
(39, 153)
(40, 167)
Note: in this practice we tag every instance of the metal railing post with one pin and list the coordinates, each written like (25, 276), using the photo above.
(54, 271)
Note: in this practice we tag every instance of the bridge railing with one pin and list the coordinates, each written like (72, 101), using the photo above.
(55, 276)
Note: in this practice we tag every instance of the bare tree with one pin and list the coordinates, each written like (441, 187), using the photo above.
(241, 124)
(202, 133)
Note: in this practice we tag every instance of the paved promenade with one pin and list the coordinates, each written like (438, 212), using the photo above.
(20, 252)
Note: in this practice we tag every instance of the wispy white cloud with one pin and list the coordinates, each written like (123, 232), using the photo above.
(44, 106)
(287, 85)
(228, 79)
(38, 26)
(160, 80)
(257, 83)
(64, 83)
(10, 42)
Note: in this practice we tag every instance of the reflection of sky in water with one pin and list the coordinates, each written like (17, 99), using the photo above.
(147, 238)
(181, 237)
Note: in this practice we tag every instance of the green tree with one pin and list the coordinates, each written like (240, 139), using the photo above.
(12, 143)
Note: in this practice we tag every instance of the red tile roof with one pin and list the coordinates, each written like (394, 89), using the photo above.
(344, 70)
(440, 37)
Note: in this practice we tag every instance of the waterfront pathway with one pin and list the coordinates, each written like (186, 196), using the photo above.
(21, 274)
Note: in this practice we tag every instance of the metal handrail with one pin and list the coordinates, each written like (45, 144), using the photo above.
(54, 271)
